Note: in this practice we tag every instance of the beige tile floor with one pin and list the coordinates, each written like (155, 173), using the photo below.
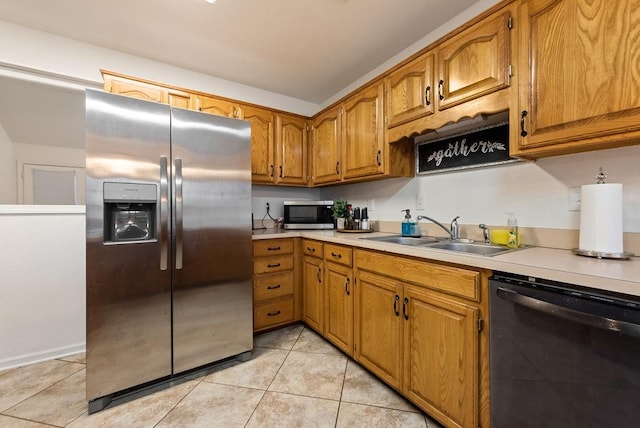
(295, 379)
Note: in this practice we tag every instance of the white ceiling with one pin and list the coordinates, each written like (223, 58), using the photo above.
(306, 49)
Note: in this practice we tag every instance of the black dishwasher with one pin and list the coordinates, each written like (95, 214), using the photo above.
(562, 355)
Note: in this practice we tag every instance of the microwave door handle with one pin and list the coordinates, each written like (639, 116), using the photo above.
(164, 213)
(178, 208)
(560, 311)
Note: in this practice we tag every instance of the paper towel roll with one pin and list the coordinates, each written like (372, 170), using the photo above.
(601, 218)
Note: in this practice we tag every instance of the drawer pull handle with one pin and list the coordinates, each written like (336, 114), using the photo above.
(272, 266)
(273, 314)
(273, 287)
(427, 95)
(404, 308)
(346, 286)
(273, 248)
(440, 90)
(311, 249)
(336, 255)
(319, 276)
(395, 305)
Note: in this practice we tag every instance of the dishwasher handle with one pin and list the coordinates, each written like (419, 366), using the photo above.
(554, 309)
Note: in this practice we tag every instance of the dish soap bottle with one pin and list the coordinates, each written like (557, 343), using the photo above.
(409, 227)
(514, 234)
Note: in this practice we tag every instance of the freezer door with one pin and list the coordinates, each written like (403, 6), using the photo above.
(128, 292)
(212, 288)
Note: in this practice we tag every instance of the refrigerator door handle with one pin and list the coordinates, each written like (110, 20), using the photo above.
(164, 213)
(178, 207)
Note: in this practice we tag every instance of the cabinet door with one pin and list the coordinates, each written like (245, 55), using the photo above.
(474, 62)
(218, 106)
(363, 133)
(291, 147)
(313, 294)
(262, 144)
(325, 145)
(378, 326)
(339, 306)
(410, 91)
(441, 356)
(133, 89)
(578, 69)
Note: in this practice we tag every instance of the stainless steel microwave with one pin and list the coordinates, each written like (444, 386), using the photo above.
(308, 215)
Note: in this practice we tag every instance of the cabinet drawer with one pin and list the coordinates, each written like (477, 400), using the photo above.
(312, 248)
(338, 254)
(271, 286)
(272, 247)
(447, 279)
(272, 264)
(272, 313)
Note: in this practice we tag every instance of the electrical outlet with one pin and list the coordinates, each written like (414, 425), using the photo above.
(419, 202)
(267, 207)
(370, 206)
(574, 199)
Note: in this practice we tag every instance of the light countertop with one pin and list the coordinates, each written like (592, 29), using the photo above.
(622, 276)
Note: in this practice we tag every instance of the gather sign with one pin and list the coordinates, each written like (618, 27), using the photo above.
(483, 147)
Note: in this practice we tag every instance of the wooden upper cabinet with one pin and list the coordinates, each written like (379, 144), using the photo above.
(363, 128)
(326, 150)
(410, 91)
(474, 62)
(262, 143)
(579, 81)
(117, 84)
(218, 106)
(291, 150)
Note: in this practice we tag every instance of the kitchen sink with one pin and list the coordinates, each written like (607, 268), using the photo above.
(462, 246)
(470, 247)
(404, 240)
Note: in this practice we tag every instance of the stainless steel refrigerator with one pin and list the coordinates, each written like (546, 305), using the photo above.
(168, 244)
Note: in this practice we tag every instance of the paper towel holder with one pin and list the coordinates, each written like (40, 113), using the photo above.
(600, 177)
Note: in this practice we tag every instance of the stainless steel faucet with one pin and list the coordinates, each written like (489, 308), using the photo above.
(453, 232)
(485, 232)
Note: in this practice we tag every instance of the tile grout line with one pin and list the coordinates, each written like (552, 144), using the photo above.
(274, 377)
(344, 379)
(42, 390)
(179, 401)
(30, 420)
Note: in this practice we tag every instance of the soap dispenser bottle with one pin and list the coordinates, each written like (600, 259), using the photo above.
(514, 234)
(409, 227)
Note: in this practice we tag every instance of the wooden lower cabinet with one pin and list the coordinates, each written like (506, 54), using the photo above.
(415, 332)
(313, 293)
(378, 326)
(441, 356)
(274, 283)
(339, 306)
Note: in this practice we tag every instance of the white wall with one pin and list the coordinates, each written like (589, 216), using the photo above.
(32, 49)
(536, 192)
(7, 170)
(42, 275)
(275, 196)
